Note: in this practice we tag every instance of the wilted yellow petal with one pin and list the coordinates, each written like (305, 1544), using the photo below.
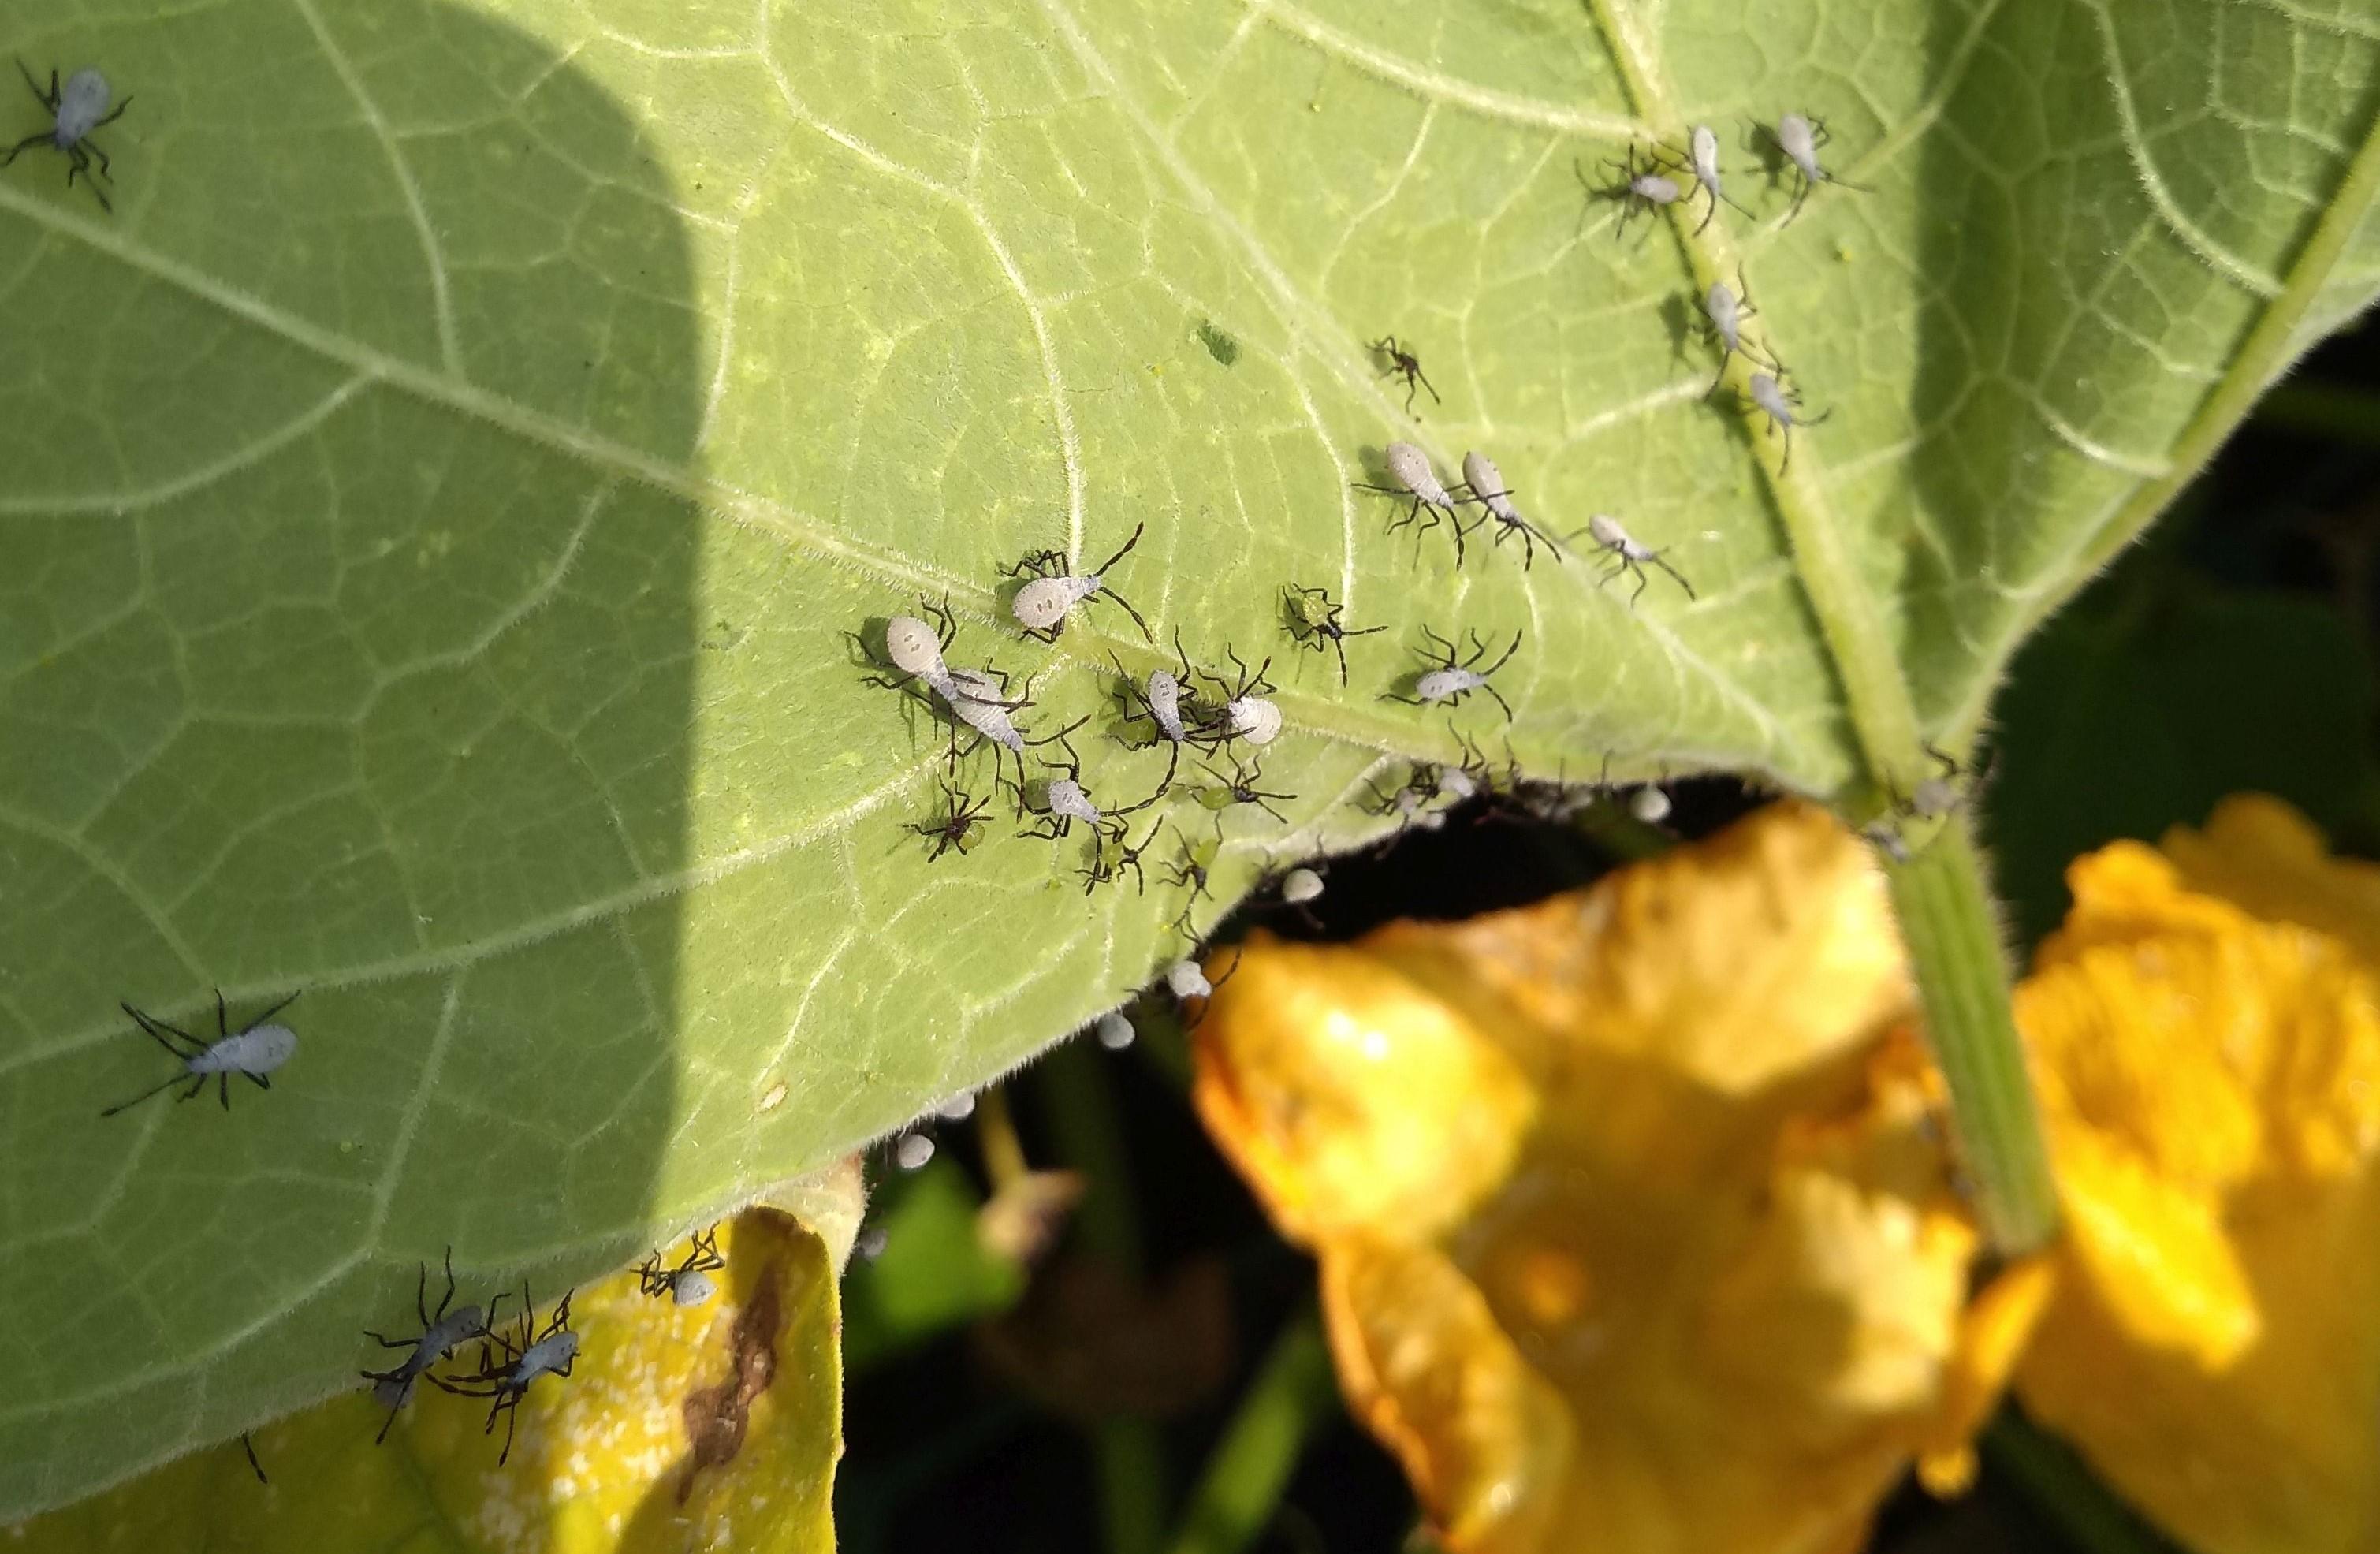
(1634, 1221)
(713, 1426)
(2206, 1038)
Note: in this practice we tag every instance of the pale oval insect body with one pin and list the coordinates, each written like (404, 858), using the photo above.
(1457, 784)
(1629, 556)
(551, 1355)
(82, 105)
(1185, 980)
(1721, 306)
(692, 1289)
(1409, 467)
(913, 1151)
(1776, 398)
(1113, 1031)
(1254, 719)
(1441, 684)
(1485, 482)
(1067, 798)
(1702, 150)
(1164, 700)
(1657, 189)
(1039, 605)
(1650, 805)
(259, 1049)
(914, 649)
(1799, 137)
(1300, 886)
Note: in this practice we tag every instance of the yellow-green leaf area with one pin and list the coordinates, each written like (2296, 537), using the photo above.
(715, 1426)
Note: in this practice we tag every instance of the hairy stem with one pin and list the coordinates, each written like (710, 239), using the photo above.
(1945, 911)
(1954, 947)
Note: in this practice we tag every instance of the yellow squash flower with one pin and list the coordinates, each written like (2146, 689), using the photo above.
(1635, 1227)
(2206, 1039)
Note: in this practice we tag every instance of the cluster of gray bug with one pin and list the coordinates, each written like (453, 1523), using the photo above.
(510, 1356)
(1208, 711)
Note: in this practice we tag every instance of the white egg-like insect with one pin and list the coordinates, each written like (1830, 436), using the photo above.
(1113, 1031)
(1300, 886)
(1042, 604)
(254, 1052)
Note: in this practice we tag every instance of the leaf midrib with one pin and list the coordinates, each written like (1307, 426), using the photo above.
(1876, 694)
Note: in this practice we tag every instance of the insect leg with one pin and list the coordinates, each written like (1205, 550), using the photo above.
(1673, 571)
(27, 143)
(145, 1094)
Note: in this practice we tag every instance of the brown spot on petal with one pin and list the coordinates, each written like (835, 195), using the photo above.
(716, 1417)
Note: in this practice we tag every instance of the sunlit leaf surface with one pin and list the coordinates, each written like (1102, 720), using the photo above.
(436, 496)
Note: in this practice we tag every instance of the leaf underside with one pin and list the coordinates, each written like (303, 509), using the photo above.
(435, 499)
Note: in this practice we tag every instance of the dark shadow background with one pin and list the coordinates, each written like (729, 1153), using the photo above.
(429, 772)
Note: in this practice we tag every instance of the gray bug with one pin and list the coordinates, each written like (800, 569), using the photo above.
(689, 1283)
(1629, 556)
(1066, 801)
(1725, 310)
(253, 1052)
(443, 1333)
(1774, 395)
(1455, 676)
(1702, 159)
(1300, 886)
(1650, 804)
(913, 1151)
(1484, 483)
(1113, 1031)
(552, 1352)
(1410, 801)
(76, 110)
(977, 701)
(1941, 794)
(1409, 467)
(1240, 710)
(1640, 190)
(1041, 605)
(1800, 138)
(1186, 979)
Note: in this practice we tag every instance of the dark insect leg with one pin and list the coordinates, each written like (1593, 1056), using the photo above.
(126, 1104)
(1674, 573)
(27, 143)
(155, 1029)
(261, 1081)
(92, 146)
(268, 1013)
(222, 1089)
(245, 1445)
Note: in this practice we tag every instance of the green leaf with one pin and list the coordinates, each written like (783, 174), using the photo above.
(436, 496)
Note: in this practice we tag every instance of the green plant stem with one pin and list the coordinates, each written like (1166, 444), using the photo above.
(1954, 947)
(1291, 1394)
(1128, 1453)
(1946, 913)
